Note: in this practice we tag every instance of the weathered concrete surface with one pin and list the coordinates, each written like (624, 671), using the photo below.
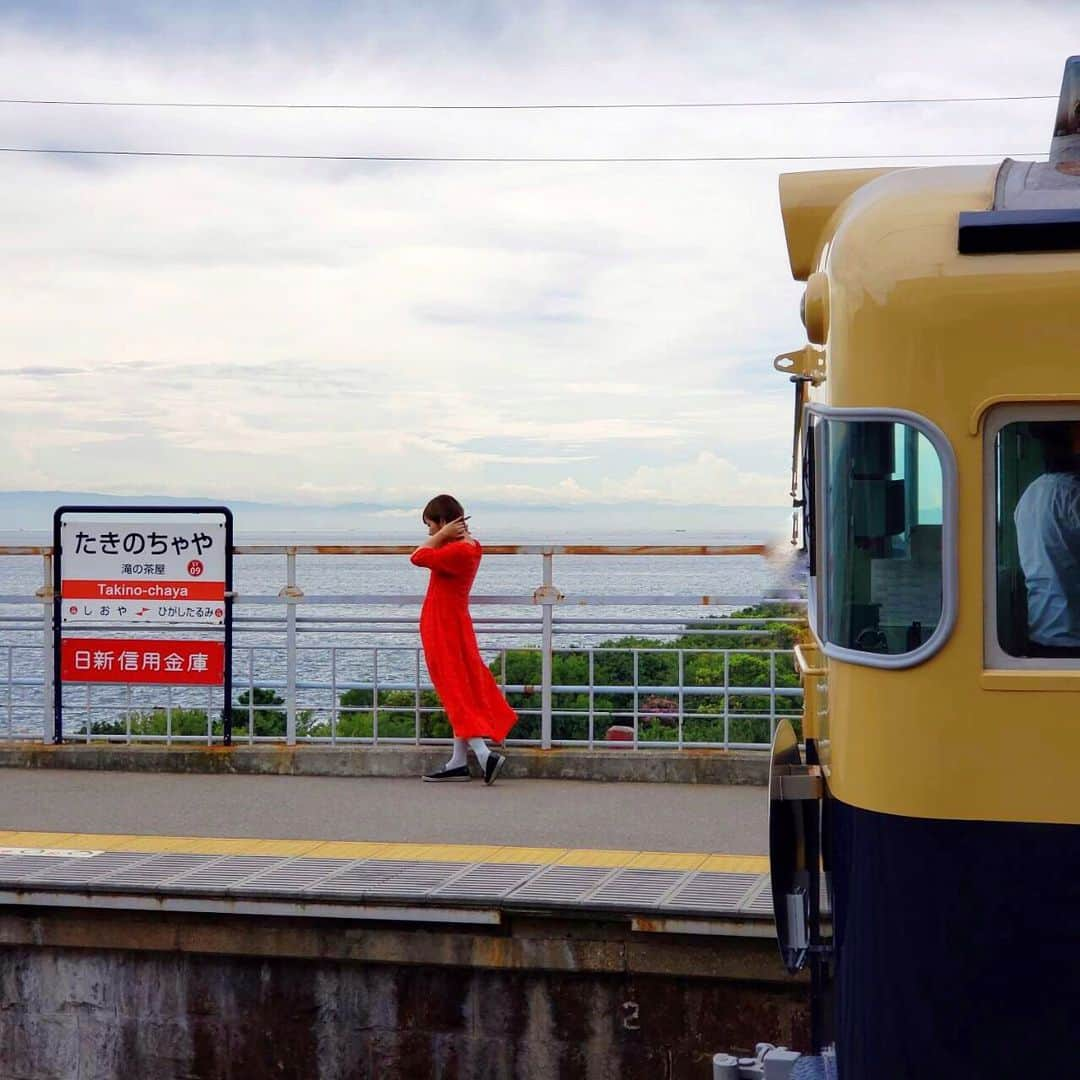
(625, 765)
(97, 997)
(603, 944)
(531, 813)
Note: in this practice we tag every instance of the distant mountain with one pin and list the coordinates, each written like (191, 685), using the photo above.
(32, 511)
(47, 501)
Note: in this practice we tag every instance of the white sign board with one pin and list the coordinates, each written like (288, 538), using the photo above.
(143, 572)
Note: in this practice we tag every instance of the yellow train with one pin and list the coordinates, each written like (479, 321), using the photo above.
(938, 474)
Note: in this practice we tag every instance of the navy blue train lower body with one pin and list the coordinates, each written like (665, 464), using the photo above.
(957, 947)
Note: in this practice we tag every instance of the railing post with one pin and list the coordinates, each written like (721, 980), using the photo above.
(335, 716)
(45, 594)
(375, 697)
(251, 696)
(11, 690)
(416, 699)
(682, 696)
(772, 695)
(547, 631)
(727, 699)
(291, 593)
(592, 697)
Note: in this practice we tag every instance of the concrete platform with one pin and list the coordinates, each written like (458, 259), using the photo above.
(339, 926)
(338, 847)
(428, 883)
(532, 813)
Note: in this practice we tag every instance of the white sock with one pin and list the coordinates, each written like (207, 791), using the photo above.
(460, 756)
(480, 749)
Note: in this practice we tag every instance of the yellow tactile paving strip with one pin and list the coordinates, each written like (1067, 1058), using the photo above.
(360, 849)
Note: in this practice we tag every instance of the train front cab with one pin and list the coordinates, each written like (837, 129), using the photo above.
(933, 391)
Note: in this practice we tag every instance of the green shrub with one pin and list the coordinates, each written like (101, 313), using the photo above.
(155, 722)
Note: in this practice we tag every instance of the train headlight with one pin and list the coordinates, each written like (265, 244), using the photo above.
(815, 308)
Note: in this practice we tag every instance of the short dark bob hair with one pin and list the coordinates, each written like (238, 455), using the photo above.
(443, 509)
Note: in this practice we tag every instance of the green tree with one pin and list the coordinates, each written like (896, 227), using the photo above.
(748, 667)
(260, 708)
(397, 715)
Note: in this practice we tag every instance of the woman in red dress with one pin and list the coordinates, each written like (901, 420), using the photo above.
(473, 702)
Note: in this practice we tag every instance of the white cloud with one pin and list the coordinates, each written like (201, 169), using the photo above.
(705, 479)
(398, 513)
(290, 330)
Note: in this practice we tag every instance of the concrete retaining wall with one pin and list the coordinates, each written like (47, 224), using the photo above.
(663, 766)
(101, 996)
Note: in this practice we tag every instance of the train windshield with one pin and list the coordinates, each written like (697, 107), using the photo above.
(880, 500)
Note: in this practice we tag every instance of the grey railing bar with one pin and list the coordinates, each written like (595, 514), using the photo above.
(621, 550)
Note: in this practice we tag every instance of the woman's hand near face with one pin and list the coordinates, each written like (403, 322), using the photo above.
(452, 530)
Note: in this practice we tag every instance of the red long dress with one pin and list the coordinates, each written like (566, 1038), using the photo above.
(472, 699)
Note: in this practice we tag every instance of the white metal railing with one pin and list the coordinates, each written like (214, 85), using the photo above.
(362, 677)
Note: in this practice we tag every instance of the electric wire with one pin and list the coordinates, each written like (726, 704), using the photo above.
(439, 159)
(527, 106)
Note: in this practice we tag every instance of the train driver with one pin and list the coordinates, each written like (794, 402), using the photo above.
(1047, 521)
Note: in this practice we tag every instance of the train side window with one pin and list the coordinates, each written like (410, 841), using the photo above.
(1036, 536)
(885, 579)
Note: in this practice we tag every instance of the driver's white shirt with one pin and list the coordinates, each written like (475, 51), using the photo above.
(1048, 537)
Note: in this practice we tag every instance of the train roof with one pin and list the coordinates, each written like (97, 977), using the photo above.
(1030, 206)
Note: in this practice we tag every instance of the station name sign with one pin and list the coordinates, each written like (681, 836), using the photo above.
(143, 572)
(142, 596)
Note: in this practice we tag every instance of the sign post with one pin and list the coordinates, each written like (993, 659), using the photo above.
(130, 567)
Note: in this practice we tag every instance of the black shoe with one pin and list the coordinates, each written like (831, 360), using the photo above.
(494, 765)
(445, 775)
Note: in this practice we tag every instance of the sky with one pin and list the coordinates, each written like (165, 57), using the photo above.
(577, 335)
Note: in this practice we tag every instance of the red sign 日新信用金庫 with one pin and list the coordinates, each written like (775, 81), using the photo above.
(142, 660)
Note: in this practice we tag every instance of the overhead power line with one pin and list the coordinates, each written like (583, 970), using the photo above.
(437, 160)
(496, 108)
